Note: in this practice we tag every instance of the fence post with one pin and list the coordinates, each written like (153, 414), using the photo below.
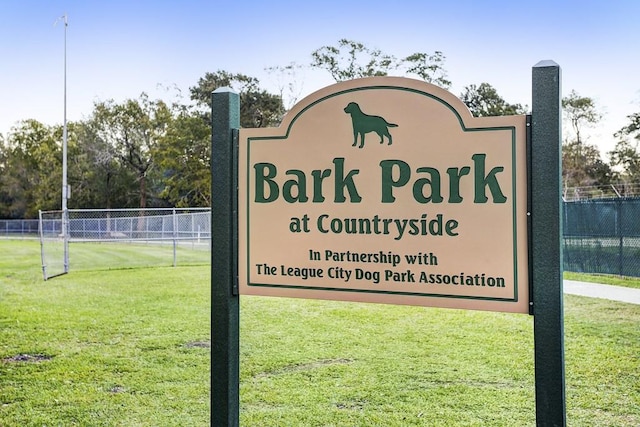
(225, 303)
(66, 224)
(193, 227)
(42, 257)
(175, 238)
(619, 229)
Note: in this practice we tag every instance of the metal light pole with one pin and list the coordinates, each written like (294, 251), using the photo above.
(65, 186)
(65, 189)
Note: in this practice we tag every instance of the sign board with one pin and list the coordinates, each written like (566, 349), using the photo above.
(386, 190)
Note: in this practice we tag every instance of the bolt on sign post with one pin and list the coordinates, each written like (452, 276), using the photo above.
(382, 190)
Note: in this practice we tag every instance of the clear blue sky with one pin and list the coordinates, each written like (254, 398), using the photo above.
(117, 49)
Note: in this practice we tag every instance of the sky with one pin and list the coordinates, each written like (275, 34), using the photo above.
(118, 49)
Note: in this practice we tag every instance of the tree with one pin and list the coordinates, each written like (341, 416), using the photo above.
(31, 170)
(258, 108)
(632, 129)
(79, 170)
(427, 67)
(580, 111)
(97, 175)
(627, 156)
(31, 163)
(288, 83)
(352, 59)
(132, 130)
(484, 101)
(184, 154)
(5, 196)
(626, 153)
(582, 166)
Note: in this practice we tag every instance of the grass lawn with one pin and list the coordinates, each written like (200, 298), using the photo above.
(117, 255)
(629, 282)
(131, 348)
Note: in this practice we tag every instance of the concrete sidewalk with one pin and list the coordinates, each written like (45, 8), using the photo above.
(595, 290)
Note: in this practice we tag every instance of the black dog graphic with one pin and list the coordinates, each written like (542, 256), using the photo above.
(364, 123)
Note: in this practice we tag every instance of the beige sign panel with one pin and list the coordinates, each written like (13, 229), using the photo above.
(386, 190)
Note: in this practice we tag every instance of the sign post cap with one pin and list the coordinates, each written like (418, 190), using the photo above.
(224, 89)
(546, 63)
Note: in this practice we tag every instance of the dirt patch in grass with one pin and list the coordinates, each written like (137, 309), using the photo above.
(198, 344)
(27, 358)
(117, 389)
(305, 367)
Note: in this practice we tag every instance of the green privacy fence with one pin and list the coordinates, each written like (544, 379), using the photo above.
(602, 236)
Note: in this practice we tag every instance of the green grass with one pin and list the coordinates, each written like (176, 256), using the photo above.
(118, 255)
(119, 348)
(94, 256)
(629, 282)
(126, 348)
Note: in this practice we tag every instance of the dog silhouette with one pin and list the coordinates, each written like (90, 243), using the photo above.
(364, 123)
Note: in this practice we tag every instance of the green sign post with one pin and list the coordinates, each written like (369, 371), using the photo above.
(543, 213)
(546, 250)
(225, 308)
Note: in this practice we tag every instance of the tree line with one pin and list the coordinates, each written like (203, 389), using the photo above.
(146, 152)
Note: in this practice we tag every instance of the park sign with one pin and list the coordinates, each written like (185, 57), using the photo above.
(386, 190)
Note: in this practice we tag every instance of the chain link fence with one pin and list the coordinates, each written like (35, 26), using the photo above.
(124, 238)
(618, 189)
(602, 236)
(19, 228)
